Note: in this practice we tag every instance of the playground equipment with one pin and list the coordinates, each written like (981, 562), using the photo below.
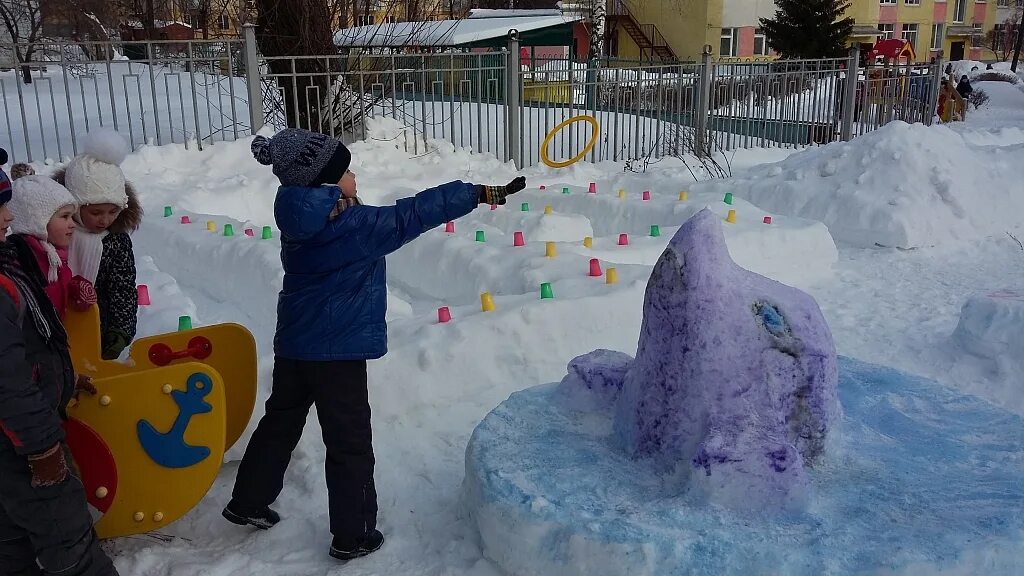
(151, 441)
(586, 149)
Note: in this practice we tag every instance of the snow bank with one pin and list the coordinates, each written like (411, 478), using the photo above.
(987, 346)
(902, 185)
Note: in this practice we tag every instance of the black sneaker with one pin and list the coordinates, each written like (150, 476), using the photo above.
(370, 544)
(262, 518)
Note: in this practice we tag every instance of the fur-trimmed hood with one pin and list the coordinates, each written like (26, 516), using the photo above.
(130, 218)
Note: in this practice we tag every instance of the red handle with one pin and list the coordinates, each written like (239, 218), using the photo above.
(199, 348)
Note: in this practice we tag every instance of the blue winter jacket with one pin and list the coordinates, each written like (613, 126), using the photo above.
(334, 298)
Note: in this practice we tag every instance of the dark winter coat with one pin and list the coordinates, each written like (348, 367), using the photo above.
(334, 298)
(964, 88)
(36, 375)
(116, 291)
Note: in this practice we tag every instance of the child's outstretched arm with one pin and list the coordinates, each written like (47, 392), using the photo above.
(27, 419)
(378, 231)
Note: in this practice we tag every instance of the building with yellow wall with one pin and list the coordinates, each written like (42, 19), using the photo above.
(679, 29)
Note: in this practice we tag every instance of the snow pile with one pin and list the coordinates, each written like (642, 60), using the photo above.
(902, 185)
(988, 344)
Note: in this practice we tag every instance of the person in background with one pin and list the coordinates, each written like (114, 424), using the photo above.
(964, 87)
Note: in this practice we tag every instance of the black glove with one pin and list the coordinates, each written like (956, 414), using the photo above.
(497, 194)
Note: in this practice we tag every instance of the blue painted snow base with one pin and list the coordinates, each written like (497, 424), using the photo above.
(919, 479)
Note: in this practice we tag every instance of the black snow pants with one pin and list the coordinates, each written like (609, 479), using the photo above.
(338, 388)
(47, 530)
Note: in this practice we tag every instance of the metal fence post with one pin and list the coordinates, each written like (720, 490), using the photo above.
(512, 103)
(848, 110)
(253, 79)
(933, 94)
(700, 138)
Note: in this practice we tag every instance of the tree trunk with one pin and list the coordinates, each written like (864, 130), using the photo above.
(300, 29)
(26, 74)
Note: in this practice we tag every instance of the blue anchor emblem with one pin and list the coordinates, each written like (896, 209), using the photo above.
(169, 449)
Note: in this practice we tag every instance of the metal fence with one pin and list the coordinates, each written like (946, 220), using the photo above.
(199, 92)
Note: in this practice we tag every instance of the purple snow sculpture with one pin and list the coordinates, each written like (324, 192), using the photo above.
(733, 388)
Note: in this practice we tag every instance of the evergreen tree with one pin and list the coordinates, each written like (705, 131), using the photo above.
(809, 28)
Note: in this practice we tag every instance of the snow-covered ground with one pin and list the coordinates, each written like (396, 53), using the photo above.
(884, 305)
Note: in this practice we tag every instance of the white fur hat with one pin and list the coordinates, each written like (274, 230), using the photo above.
(95, 175)
(34, 201)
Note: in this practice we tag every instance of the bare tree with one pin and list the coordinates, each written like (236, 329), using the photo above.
(23, 20)
(1001, 40)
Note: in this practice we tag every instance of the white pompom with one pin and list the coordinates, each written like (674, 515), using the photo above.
(106, 146)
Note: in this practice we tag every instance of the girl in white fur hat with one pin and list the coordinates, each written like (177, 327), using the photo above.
(101, 251)
(43, 228)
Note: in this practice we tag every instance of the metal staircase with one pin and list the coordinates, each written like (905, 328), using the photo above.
(647, 36)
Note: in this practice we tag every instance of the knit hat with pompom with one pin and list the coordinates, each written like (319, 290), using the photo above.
(303, 158)
(95, 175)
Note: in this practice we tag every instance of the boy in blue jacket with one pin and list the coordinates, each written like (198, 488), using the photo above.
(330, 321)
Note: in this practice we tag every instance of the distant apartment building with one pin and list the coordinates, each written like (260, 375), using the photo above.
(679, 29)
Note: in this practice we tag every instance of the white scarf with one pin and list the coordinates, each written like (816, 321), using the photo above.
(86, 253)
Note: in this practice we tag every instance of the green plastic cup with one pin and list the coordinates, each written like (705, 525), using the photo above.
(184, 323)
(267, 233)
(229, 230)
(168, 211)
(728, 198)
(480, 236)
(525, 207)
(655, 230)
(546, 292)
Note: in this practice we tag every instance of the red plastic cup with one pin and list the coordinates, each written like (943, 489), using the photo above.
(249, 232)
(647, 195)
(517, 240)
(767, 219)
(443, 315)
(143, 295)
(494, 206)
(593, 188)
(623, 240)
(595, 267)
(449, 228)
(186, 220)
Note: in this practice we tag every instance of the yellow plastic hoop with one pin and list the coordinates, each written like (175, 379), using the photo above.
(586, 149)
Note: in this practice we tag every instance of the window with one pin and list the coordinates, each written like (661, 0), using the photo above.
(728, 47)
(886, 31)
(887, 2)
(760, 48)
(912, 2)
(223, 22)
(959, 11)
(977, 32)
(364, 20)
(910, 34)
(937, 32)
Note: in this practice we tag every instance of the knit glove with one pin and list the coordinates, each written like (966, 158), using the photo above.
(83, 383)
(113, 342)
(48, 468)
(497, 194)
(83, 294)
